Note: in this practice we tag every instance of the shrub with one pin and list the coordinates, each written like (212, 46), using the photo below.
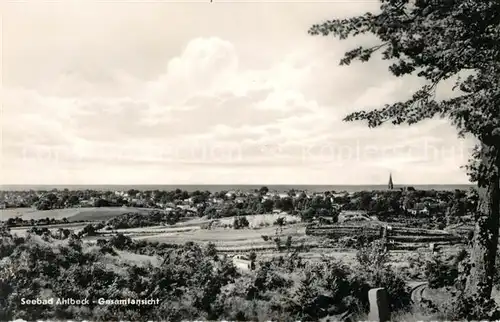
(374, 254)
(440, 272)
(120, 241)
(279, 222)
(88, 230)
(372, 269)
(240, 222)
(466, 307)
(288, 243)
(211, 250)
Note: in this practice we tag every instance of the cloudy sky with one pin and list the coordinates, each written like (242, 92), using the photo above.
(123, 92)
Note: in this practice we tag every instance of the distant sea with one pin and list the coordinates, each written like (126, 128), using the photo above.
(226, 187)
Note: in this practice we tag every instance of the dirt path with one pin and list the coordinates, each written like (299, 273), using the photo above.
(417, 290)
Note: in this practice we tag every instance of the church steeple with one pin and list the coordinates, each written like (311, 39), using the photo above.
(391, 185)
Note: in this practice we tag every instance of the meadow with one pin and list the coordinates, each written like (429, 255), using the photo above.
(263, 236)
(258, 237)
(91, 214)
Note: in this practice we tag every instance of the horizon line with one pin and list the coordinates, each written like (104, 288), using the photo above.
(236, 184)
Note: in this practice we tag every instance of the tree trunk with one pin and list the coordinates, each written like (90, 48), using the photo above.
(484, 249)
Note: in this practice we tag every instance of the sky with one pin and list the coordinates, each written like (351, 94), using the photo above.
(158, 92)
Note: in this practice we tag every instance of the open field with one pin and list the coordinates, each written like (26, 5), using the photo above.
(72, 214)
(257, 221)
(229, 240)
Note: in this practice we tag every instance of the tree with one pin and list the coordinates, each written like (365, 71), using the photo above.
(240, 222)
(308, 214)
(287, 204)
(133, 192)
(73, 200)
(101, 203)
(437, 41)
(88, 230)
(267, 205)
(365, 200)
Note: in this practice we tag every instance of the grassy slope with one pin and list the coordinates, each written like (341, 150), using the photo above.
(72, 214)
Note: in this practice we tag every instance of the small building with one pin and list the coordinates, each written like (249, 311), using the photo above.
(242, 262)
(419, 209)
(239, 200)
(230, 194)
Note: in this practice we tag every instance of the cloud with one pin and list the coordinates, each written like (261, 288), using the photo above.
(207, 109)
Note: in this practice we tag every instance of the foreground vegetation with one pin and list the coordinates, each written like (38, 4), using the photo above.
(440, 41)
(191, 282)
(196, 282)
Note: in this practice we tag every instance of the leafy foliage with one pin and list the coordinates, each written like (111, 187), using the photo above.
(435, 40)
(153, 218)
(240, 222)
(191, 282)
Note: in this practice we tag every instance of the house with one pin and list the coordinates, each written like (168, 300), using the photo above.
(242, 263)
(230, 194)
(217, 200)
(239, 200)
(139, 202)
(419, 209)
(86, 203)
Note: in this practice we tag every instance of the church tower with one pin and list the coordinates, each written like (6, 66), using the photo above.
(391, 185)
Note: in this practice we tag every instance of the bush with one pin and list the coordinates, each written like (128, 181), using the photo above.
(240, 222)
(135, 220)
(120, 241)
(373, 270)
(280, 221)
(211, 250)
(465, 307)
(374, 254)
(88, 230)
(442, 272)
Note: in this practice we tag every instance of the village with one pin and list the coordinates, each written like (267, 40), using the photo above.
(445, 207)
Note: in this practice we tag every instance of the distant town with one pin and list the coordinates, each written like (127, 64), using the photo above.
(443, 207)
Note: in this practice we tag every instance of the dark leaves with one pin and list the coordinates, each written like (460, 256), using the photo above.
(435, 40)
